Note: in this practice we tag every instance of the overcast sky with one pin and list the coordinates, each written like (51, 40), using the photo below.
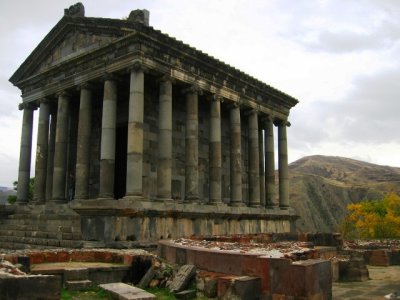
(339, 58)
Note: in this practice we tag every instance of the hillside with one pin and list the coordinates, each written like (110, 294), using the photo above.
(322, 186)
(4, 192)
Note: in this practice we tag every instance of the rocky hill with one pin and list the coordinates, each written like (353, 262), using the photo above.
(322, 186)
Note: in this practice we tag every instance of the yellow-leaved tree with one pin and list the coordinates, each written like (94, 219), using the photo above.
(373, 219)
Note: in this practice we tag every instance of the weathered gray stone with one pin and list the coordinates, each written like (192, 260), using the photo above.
(25, 155)
(108, 136)
(269, 163)
(21, 287)
(124, 291)
(215, 150)
(60, 152)
(254, 173)
(144, 282)
(42, 153)
(182, 278)
(78, 285)
(83, 149)
(283, 166)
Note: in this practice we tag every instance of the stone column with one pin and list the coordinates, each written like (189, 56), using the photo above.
(164, 168)
(269, 163)
(236, 156)
(25, 154)
(60, 149)
(215, 151)
(254, 173)
(283, 166)
(192, 145)
(108, 136)
(261, 163)
(42, 152)
(83, 148)
(50, 156)
(135, 134)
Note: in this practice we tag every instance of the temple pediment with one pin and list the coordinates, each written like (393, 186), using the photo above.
(70, 38)
(75, 42)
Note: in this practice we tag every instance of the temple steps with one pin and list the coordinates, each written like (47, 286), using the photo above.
(26, 230)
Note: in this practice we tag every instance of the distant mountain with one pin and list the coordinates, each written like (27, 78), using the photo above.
(4, 192)
(322, 186)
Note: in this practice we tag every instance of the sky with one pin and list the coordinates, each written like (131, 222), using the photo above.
(339, 58)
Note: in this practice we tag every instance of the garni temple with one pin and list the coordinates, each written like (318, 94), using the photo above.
(142, 137)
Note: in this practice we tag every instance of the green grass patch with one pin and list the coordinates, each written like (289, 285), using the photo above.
(163, 294)
(88, 294)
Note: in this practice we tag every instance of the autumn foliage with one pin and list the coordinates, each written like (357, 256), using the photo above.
(373, 219)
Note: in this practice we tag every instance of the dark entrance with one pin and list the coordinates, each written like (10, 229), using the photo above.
(120, 161)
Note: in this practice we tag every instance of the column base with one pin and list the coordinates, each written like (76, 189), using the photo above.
(237, 204)
(284, 207)
(216, 203)
(133, 197)
(58, 201)
(164, 200)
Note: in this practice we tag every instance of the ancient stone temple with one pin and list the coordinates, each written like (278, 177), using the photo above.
(143, 137)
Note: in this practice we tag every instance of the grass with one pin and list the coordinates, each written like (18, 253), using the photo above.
(89, 294)
(162, 294)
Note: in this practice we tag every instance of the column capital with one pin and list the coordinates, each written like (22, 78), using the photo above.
(267, 118)
(281, 123)
(63, 93)
(86, 86)
(166, 77)
(44, 100)
(27, 105)
(192, 89)
(234, 104)
(136, 66)
(109, 77)
(252, 111)
(215, 97)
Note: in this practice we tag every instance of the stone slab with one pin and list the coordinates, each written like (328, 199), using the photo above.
(124, 291)
(78, 285)
(182, 278)
(144, 282)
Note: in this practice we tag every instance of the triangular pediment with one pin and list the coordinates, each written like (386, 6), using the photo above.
(71, 37)
(74, 43)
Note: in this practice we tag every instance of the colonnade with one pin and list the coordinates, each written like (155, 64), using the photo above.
(52, 141)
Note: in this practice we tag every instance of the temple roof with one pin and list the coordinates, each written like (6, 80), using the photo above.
(110, 31)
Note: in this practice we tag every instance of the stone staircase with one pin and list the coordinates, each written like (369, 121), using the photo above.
(40, 226)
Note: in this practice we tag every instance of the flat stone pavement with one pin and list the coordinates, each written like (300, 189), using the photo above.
(384, 281)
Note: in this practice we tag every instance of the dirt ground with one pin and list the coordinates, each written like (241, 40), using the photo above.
(384, 281)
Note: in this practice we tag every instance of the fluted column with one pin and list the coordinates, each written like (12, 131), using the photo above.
(254, 174)
(60, 150)
(236, 156)
(25, 154)
(283, 166)
(108, 136)
(269, 163)
(192, 145)
(83, 148)
(261, 162)
(42, 152)
(135, 134)
(215, 151)
(50, 155)
(164, 168)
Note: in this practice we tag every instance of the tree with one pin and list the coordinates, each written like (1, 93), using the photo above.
(13, 198)
(373, 219)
